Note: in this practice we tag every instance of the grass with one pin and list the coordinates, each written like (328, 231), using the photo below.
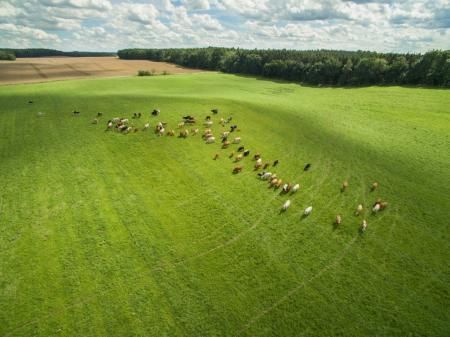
(103, 234)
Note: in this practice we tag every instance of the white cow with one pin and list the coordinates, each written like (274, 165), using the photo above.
(295, 188)
(210, 140)
(308, 210)
(364, 226)
(359, 209)
(266, 175)
(286, 205)
(376, 208)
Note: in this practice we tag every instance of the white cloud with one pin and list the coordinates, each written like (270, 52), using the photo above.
(206, 21)
(143, 13)
(22, 36)
(196, 4)
(384, 25)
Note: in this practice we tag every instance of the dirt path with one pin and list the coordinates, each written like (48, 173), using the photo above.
(28, 70)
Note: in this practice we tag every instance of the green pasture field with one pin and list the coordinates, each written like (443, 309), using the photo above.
(106, 234)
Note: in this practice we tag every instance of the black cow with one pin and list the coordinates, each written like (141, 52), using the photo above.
(240, 149)
(246, 153)
(307, 166)
(275, 163)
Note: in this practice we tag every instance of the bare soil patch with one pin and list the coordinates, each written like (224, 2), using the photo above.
(25, 70)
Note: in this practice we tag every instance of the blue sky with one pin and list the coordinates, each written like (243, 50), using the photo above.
(109, 25)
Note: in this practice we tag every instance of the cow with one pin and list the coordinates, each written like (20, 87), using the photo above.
(374, 186)
(265, 175)
(210, 140)
(376, 207)
(246, 153)
(295, 188)
(273, 182)
(184, 133)
(307, 166)
(275, 163)
(359, 209)
(279, 183)
(240, 149)
(287, 188)
(286, 205)
(363, 226)
(237, 140)
(258, 166)
(237, 169)
(308, 210)
(155, 112)
(344, 186)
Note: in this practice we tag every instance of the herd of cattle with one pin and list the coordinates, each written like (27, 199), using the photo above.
(226, 138)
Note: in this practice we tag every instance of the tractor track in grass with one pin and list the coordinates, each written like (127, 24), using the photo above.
(245, 231)
(251, 226)
(256, 317)
(330, 266)
(294, 290)
(88, 299)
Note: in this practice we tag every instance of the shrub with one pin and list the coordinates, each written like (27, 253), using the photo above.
(145, 73)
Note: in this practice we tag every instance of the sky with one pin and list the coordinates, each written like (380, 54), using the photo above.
(109, 25)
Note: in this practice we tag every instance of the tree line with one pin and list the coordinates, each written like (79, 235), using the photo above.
(317, 67)
(41, 52)
(6, 55)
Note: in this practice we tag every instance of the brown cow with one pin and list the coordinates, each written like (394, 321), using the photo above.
(237, 169)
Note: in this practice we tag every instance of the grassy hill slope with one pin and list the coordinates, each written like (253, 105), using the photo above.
(103, 234)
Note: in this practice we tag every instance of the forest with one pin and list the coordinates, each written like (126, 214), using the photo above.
(7, 55)
(41, 52)
(316, 67)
